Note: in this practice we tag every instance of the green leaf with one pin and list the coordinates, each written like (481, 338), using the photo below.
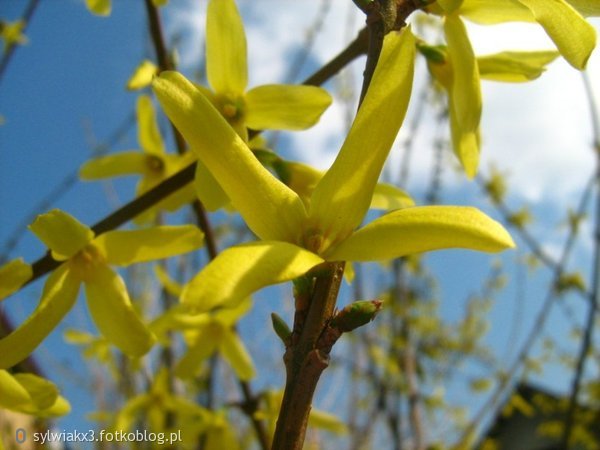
(127, 247)
(515, 66)
(271, 209)
(114, 315)
(62, 233)
(285, 107)
(574, 37)
(421, 229)
(13, 275)
(58, 296)
(343, 195)
(241, 270)
(226, 64)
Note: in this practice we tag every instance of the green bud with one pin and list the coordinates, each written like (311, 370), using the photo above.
(281, 328)
(356, 315)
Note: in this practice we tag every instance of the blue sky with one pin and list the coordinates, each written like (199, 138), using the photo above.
(64, 93)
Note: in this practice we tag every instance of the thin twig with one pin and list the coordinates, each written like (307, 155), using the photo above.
(26, 18)
(595, 276)
(536, 329)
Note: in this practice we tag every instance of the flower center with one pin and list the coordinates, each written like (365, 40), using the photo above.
(85, 263)
(232, 108)
(155, 164)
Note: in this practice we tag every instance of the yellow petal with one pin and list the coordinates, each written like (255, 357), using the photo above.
(235, 353)
(61, 407)
(271, 209)
(226, 66)
(450, 6)
(422, 229)
(168, 284)
(114, 315)
(239, 271)
(303, 179)
(43, 393)
(515, 67)
(148, 134)
(135, 246)
(12, 393)
(586, 7)
(205, 346)
(208, 190)
(574, 37)
(487, 12)
(343, 195)
(464, 96)
(62, 233)
(159, 3)
(58, 296)
(327, 421)
(13, 275)
(142, 76)
(125, 163)
(387, 196)
(284, 107)
(99, 7)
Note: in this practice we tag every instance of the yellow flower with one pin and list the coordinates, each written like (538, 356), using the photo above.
(295, 236)
(154, 164)
(13, 275)
(459, 72)
(563, 20)
(103, 7)
(273, 106)
(12, 34)
(205, 334)
(86, 260)
(29, 394)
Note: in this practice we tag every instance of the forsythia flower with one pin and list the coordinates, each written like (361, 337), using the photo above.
(12, 33)
(295, 236)
(458, 70)
(103, 7)
(205, 334)
(165, 412)
(13, 275)
(86, 260)
(29, 394)
(154, 164)
(269, 411)
(273, 106)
